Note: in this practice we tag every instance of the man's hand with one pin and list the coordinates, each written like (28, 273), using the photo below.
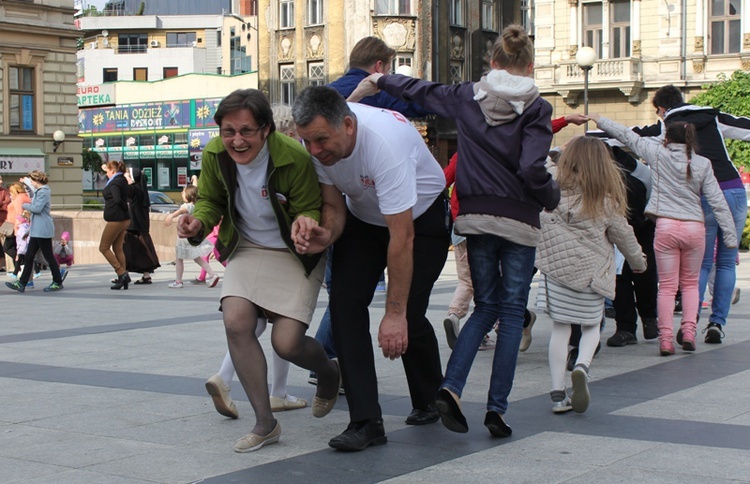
(315, 241)
(393, 337)
(188, 226)
(576, 118)
(367, 87)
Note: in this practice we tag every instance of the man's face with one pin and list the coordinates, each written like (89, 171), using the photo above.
(328, 143)
(243, 138)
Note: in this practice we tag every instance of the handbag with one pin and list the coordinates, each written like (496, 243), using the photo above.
(6, 229)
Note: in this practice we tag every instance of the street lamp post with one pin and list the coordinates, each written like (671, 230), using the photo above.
(586, 57)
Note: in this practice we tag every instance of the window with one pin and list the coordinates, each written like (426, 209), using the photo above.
(592, 27)
(132, 43)
(456, 13)
(314, 12)
(456, 72)
(286, 14)
(21, 90)
(181, 39)
(619, 40)
(286, 75)
(170, 72)
(109, 74)
(316, 73)
(725, 32)
(488, 15)
(392, 7)
(400, 60)
(527, 16)
(140, 74)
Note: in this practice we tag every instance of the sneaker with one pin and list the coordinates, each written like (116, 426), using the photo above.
(666, 348)
(706, 304)
(714, 333)
(30, 284)
(380, 287)
(16, 286)
(622, 338)
(688, 342)
(175, 285)
(63, 274)
(487, 343)
(13, 276)
(313, 379)
(53, 287)
(650, 328)
(562, 406)
(289, 402)
(37, 275)
(579, 401)
(213, 281)
(452, 325)
(736, 295)
(526, 334)
(198, 281)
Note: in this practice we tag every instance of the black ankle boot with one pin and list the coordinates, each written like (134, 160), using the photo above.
(122, 282)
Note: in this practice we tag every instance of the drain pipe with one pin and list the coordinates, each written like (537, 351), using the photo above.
(683, 43)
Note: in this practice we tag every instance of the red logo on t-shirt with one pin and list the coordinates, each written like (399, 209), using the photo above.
(264, 192)
(366, 182)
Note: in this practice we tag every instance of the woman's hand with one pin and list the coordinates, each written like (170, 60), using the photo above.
(367, 87)
(308, 236)
(593, 117)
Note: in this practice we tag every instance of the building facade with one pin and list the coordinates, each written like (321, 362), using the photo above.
(38, 95)
(149, 86)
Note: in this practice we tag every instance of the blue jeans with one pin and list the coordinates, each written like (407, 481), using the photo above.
(726, 275)
(324, 335)
(501, 273)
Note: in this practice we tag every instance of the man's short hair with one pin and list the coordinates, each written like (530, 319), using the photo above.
(322, 101)
(368, 51)
(668, 97)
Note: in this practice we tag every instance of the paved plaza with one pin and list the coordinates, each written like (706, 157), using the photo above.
(102, 386)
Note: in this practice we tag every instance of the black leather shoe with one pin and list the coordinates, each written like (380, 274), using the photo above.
(360, 435)
(423, 417)
(497, 425)
(450, 412)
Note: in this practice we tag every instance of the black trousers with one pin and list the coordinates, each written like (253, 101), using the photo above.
(358, 261)
(637, 291)
(45, 245)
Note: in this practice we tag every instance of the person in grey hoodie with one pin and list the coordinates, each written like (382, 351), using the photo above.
(40, 236)
(504, 136)
(679, 177)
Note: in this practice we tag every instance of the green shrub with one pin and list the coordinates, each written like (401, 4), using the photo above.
(93, 205)
(745, 241)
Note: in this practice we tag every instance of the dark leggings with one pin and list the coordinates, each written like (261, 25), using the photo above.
(45, 245)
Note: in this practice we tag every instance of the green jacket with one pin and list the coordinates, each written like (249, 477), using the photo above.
(290, 173)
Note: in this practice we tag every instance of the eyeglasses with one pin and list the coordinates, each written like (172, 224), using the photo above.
(244, 132)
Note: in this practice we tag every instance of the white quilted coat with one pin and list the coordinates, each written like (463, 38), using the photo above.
(578, 252)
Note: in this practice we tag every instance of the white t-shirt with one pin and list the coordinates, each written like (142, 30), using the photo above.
(389, 171)
(256, 220)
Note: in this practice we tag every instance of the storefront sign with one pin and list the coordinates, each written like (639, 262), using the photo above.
(21, 163)
(194, 113)
(96, 95)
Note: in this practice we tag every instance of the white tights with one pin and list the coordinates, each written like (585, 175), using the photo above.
(280, 367)
(558, 350)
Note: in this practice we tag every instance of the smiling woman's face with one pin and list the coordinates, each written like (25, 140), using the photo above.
(243, 138)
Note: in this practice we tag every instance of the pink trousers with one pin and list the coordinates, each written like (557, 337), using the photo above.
(679, 247)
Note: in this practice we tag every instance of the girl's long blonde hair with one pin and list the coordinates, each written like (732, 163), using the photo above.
(587, 167)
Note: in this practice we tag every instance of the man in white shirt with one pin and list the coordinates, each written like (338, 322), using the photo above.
(393, 214)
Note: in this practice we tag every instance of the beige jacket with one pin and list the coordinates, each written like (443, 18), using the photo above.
(578, 252)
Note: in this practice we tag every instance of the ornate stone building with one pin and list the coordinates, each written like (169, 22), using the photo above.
(38, 95)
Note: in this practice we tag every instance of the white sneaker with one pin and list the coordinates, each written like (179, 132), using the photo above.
(175, 285)
(289, 402)
(213, 281)
(451, 324)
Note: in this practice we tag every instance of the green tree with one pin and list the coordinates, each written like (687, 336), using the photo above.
(732, 96)
(91, 161)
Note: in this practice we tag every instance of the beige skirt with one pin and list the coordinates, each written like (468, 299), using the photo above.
(274, 280)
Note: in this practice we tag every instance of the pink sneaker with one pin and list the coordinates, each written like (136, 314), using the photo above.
(688, 342)
(213, 281)
(666, 348)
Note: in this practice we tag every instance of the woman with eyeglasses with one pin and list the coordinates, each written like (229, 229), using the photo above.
(264, 185)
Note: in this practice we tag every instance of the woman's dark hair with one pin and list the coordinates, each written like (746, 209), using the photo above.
(683, 133)
(117, 166)
(250, 99)
(39, 177)
(191, 193)
(667, 97)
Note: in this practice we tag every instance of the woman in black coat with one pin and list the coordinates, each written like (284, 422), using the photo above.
(139, 248)
(117, 216)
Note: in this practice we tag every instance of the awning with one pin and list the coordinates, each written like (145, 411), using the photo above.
(21, 160)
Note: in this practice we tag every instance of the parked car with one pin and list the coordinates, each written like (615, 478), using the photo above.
(160, 203)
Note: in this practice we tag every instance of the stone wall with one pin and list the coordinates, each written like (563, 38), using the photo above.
(86, 227)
